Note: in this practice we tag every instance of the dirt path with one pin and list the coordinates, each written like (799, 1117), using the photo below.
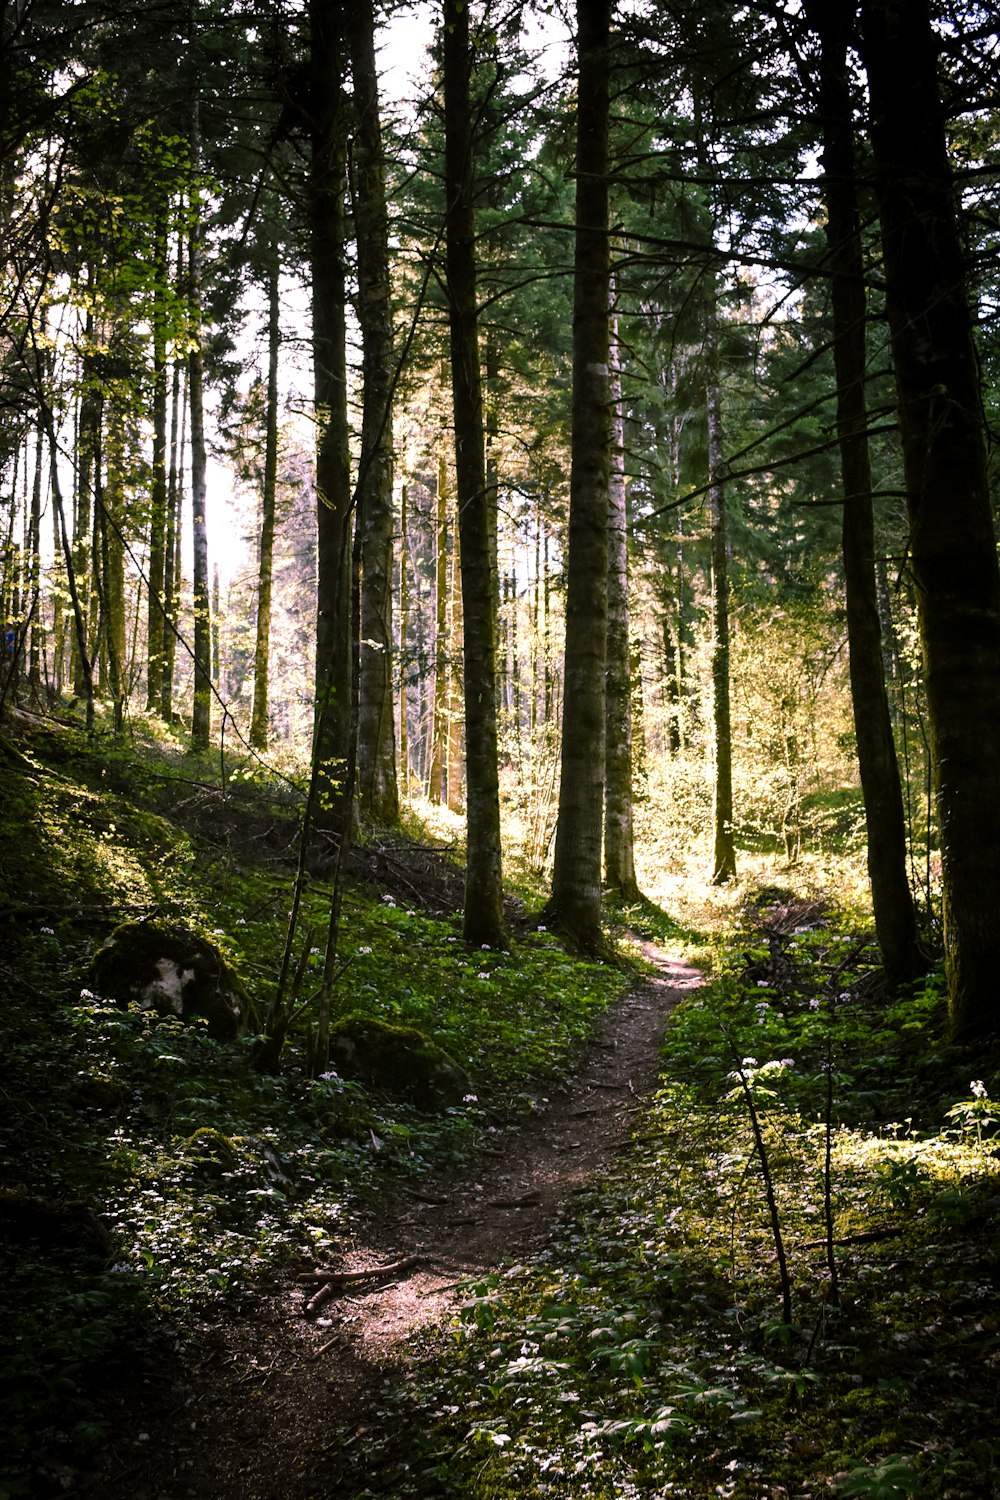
(278, 1409)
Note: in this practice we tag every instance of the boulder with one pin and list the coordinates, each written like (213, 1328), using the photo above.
(397, 1060)
(174, 971)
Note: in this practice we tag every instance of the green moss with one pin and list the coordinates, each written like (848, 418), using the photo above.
(398, 1060)
(173, 970)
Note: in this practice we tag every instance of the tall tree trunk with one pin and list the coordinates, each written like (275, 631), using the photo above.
(88, 428)
(892, 900)
(619, 857)
(455, 702)
(268, 499)
(327, 186)
(437, 789)
(575, 903)
(201, 713)
(483, 881)
(155, 616)
(33, 559)
(112, 521)
(378, 794)
(952, 541)
(724, 854)
(404, 628)
(172, 545)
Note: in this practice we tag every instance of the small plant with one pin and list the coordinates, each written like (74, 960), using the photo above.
(976, 1115)
(892, 1479)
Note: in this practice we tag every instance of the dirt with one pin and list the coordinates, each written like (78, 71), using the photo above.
(276, 1406)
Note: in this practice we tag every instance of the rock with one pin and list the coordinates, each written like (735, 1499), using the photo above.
(174, 971)
(397, 1060)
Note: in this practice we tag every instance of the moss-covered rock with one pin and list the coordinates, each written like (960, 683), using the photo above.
(174, 971)
(397, 1060)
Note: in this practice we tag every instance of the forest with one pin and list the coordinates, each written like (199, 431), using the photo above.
(500, 732)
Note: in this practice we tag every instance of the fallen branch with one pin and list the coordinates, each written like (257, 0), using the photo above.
(320, 1299)
(347, 1278)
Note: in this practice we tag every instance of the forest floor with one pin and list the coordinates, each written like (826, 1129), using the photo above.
(278, 1404)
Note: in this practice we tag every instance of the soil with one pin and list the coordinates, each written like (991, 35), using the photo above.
(276, 1406)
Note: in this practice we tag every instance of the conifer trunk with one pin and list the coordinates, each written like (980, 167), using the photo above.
(575, 904)
(268, 500)
(892, 900)
(619, 857)
(483, 922)
(327, 185)
(201, 713)
(155, 614)
(378, 793)
(953, 554)
(724, 854)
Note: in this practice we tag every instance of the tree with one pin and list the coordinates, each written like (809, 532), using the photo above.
(575, 903)
(952, 548)
(378, 794)
(334, 496)
(483, 922)
(892, 899)
(619, 857)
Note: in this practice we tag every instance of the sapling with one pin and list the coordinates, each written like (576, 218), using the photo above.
(760, 1146)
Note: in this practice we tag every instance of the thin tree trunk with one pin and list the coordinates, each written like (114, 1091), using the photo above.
(378, 794)
(201, 714)
(112, 520)
(575, 903)
(484, 922)
(619, 856)
(155, 616)
(172, 545)
(33, 558)
(953, 554)
(437, 775)
(265, 563)
(455, 696)
(724, 855)
(892, 900)
(404, 628)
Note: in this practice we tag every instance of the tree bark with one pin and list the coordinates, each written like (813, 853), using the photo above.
(952, 541)
(892, 899)
(268, 500)
(724, 853)
(619, 855)
(201, 713)
(378, 794)
(575, 904)
(327, 183)
(155, 613)
(483, 921)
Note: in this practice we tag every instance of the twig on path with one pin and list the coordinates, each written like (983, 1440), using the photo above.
(346, 1278)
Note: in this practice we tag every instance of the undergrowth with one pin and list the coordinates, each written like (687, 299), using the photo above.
(151, 1179)
(646, 1351)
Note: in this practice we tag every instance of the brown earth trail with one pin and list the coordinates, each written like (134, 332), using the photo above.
(278, 1407)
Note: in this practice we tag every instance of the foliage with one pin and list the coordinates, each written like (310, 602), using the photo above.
(210, 1178)
(642, 1351)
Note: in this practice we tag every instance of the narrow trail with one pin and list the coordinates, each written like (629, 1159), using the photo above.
(278, 1409)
